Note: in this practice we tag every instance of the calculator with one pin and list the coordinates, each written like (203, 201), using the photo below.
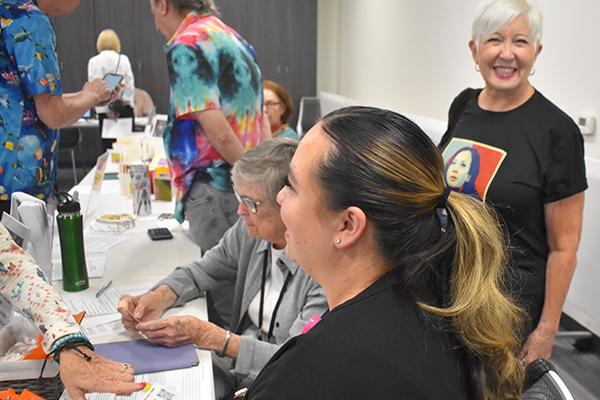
(159, 234)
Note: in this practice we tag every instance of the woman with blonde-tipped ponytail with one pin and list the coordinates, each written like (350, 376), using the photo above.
(413, 272)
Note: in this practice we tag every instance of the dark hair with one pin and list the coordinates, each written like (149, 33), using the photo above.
(284, 96)
(468, 187)
(383, 163)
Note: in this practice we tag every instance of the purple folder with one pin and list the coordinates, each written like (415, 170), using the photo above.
(146, 357)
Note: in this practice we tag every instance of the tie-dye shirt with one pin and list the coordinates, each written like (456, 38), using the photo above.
(211, 67)
(28, 66)
(24, 284)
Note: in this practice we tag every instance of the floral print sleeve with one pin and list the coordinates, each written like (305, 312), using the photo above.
(24, 284)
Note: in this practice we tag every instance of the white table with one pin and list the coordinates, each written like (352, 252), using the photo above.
(140, 259)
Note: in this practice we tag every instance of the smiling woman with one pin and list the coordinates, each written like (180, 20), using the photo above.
(534, 158)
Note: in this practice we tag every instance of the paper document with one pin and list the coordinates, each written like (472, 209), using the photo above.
(189, 383)
(105, 304)
(112, 129)
(110, 324)
(95, 267)
(101, 243)
(111, 327)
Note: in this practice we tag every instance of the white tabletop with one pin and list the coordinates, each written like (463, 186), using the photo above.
(139, 259)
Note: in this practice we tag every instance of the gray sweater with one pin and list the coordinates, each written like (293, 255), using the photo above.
(238, 260)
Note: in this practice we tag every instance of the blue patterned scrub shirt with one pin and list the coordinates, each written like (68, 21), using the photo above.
(28, 66)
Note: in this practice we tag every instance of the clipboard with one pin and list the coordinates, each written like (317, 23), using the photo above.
(146, 357)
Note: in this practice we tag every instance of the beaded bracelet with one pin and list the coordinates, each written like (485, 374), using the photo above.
(68, 342)
(73, 344)
(67, 338)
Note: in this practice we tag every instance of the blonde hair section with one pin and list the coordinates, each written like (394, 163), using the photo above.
(108, 40)
(481, 312)
(384, 164)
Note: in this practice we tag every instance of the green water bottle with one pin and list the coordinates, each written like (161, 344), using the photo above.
(70, 232)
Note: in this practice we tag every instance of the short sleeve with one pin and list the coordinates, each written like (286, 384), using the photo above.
(194, 79)
(565, 167)
(32, 41)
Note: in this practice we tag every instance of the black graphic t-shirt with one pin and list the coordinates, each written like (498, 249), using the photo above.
(518, 161)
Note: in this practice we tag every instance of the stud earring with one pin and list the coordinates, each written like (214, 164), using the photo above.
(338, 240)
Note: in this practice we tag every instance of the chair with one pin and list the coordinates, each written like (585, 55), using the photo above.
(309, 114)
(70, 139)
(543, 383)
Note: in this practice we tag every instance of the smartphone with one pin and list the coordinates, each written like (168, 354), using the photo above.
(159, 234)
(112, 80)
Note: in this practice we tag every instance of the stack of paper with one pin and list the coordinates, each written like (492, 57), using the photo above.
(39, 218)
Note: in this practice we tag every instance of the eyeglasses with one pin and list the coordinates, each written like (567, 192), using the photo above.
(271, 104)
(250, 204)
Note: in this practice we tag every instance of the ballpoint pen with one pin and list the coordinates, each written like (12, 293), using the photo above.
(103, 289)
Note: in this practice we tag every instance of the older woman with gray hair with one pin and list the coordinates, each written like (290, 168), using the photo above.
(531, 162)
(273, 297)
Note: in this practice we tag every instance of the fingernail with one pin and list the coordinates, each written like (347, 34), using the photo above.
(143, 384)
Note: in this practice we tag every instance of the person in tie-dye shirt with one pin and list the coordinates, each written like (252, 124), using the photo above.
(32, 105)
(215, 115)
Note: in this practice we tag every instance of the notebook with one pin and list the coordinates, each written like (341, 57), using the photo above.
(146, 357)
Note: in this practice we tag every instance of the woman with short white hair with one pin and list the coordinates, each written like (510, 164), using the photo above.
(531, 162)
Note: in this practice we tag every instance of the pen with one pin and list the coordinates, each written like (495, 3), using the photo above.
(103, 289)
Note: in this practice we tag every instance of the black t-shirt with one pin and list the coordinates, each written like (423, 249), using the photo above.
(378, 345)
(528, 156)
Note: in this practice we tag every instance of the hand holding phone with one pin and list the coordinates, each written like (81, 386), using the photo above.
(112, 80)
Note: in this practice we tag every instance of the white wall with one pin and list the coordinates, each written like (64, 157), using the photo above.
(413, 56)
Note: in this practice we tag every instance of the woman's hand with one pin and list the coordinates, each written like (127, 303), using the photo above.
(179, 330)
(145, 307)
(98, 375)
(538, 345)
(175, 331)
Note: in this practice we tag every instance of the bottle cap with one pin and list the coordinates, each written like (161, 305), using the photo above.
(69, 206)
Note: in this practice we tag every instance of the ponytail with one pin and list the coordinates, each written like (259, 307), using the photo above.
(481, 313)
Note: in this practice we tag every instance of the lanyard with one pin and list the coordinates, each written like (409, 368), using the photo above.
(261, 307)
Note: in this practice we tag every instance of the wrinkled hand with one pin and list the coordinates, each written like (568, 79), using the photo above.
(175, 330)
(98, 375)
(538, 345)
(145, 307)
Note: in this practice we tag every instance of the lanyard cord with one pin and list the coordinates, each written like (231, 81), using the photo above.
(288, 278)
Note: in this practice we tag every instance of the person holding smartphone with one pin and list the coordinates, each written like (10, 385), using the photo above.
(32, 104)
(111, 65)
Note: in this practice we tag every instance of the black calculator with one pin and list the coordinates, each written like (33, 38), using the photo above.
(159, 234)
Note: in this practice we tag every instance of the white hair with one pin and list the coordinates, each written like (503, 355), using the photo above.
(493, 15)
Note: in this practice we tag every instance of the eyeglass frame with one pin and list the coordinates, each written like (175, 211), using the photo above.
(269, 104)
(251, 205)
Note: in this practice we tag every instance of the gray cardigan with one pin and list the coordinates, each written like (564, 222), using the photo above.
(238, 260)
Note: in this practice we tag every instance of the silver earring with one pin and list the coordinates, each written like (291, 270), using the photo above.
(532, 72)
(477, 67)
(338, 240)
